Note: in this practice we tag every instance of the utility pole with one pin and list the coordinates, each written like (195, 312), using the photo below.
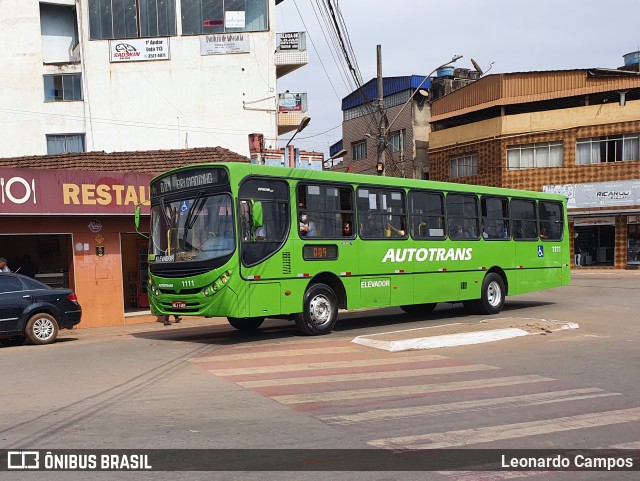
(382, 127)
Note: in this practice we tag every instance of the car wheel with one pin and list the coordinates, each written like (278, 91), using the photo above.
(320, 311)
(42, 328)
(419, 308)
(13, 341)
(246, 323)
(493, 294)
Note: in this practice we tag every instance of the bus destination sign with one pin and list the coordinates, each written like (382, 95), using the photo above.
(189, 179)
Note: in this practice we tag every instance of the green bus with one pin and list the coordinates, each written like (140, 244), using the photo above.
(247, 242)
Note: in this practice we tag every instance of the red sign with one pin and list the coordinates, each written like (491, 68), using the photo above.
(45, 191)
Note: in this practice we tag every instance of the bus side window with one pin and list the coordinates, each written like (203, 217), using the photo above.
(462, 215)
(495, 218)
(551, 220)
(524, 219)
(427, 215)
(322, 209)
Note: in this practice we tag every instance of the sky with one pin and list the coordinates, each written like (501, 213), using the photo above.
(419, 35)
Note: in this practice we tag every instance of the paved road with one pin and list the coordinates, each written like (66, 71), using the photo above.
(204, 385)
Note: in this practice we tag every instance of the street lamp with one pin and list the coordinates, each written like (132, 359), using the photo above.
(303, 123)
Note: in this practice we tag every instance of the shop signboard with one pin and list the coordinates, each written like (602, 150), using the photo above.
(224, 43)
(290, 102)
(583, 221)
(599, 194)
(289, 41)
(139, 49)
(48, 191)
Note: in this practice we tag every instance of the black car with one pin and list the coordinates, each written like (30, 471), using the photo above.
(32, 310)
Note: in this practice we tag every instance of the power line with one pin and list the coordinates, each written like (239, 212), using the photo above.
(316, 50)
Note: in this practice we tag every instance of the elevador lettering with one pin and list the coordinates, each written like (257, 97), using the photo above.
(370, 284)
(429, 255)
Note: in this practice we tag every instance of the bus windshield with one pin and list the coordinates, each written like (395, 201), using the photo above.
(192, 229)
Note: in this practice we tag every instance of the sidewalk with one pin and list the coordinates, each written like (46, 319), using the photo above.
(125, 330)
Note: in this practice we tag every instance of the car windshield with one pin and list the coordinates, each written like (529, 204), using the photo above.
(193, 229)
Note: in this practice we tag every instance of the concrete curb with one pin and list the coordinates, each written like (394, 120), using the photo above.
(448, 340)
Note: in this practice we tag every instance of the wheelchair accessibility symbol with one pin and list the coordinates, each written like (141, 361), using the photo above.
(184, 207)
(540, 251)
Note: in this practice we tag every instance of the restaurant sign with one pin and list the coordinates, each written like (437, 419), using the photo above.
(45, 192)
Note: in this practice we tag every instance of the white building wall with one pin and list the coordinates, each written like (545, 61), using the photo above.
(187, 101)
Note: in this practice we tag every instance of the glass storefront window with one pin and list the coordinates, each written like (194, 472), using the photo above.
(633, 246)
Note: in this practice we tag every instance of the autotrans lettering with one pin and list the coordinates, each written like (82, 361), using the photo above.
(370, 284)
(428, 255)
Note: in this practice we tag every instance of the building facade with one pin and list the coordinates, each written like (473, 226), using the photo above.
(575, 132)
(406, 111)
(70, 217)
(123, 75)
(407, 121)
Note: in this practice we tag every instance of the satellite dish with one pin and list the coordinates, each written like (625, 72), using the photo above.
(424, 93)
(477, 67)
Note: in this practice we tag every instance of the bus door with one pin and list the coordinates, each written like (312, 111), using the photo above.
(263, 227)
(324, 236)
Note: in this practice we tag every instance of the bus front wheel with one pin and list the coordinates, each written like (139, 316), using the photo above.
(246, 323)
(493, 295)
(320, 311)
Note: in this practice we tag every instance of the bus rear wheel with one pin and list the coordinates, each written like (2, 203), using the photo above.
(493, 295)
(419, 308)
(320, 311)
(246, 323)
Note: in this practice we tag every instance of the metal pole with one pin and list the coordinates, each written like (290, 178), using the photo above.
(382, 127)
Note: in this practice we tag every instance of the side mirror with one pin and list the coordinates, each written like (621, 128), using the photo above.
(136, 220)
(136, 217)
(257, 214)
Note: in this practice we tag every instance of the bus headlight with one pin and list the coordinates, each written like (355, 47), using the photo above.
(210, 290)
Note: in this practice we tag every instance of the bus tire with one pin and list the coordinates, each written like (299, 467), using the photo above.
(246, 323)
(492, 295)
(419, 308)
(320, 311)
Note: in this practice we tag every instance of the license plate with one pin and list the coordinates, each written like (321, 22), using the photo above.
(179, 305)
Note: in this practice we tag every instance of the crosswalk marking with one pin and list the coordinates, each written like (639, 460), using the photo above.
(467, 437)
(465, 406)
(366, 376)
(266, 354)
(241, 371)
(398, 391)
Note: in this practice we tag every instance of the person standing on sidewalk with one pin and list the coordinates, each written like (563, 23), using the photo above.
(177, 320)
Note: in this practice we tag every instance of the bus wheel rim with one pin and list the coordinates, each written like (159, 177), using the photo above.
(320, 310)
(494, 294)
(43, 329)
